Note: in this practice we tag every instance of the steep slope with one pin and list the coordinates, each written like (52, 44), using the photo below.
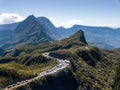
(76, 44)
(28, 27)
(74, 40)
(78, 37)
(30, 31)
(62, 80)
(94, 69)
(46, 23)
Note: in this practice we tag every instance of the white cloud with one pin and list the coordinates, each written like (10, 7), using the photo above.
(52, 19)
(66, 24)
(6, 18)
(70, 23)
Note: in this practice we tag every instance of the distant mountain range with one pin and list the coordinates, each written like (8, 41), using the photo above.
(102, 37)
(38, 30)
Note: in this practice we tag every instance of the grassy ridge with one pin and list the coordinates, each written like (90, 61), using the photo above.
(116, 56)
(117, 80)
(93, 68)
(58, 81)
(23, 68)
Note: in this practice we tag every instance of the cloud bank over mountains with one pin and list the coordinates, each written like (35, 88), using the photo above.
(65, 24)
(6, 18)
(70, 23)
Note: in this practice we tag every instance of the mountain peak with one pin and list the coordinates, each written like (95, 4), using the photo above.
(77, 39)
(79, 36)
(28, 23)
(31, 17)
(44, 20)
(80, 33)
(31, 31)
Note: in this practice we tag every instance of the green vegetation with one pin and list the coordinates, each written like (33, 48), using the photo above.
(117, 80)
(23, 67)
(58, 81)
(91, 68)
(116, 56)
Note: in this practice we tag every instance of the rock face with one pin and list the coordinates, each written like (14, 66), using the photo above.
(30, 31)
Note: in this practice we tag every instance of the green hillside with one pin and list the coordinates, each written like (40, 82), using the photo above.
(91, 68)
(13, 69)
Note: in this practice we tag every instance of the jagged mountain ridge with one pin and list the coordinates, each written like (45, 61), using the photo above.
(102, 37)
(92, 66)
(30, 27)
(47, 24)
(30, 31)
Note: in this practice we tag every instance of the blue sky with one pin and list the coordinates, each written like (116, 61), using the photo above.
(67, 12)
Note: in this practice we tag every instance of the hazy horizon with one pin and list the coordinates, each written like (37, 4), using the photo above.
(64, 13)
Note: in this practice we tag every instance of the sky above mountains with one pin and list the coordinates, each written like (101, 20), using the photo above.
(63, 12)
